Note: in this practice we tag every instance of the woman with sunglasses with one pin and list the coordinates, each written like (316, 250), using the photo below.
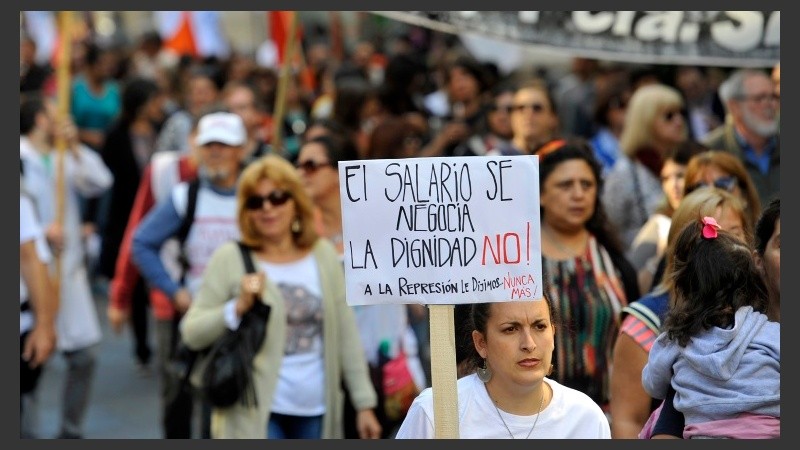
(725, 171)
(654, 125)
(312, 343)
(493, 129)
(317, 164)
(534, 118)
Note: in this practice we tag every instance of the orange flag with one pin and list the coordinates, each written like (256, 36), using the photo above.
(182, 42)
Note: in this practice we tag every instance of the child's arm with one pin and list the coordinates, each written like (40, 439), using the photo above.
(657, 373)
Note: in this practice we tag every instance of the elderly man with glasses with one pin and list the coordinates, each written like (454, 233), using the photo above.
(751, 130)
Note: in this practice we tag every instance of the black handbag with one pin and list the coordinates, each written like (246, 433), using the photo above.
(228, 374)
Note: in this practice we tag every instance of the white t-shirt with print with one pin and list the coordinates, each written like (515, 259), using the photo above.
(301, 380)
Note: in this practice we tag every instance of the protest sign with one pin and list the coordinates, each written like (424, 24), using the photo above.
(441, 230)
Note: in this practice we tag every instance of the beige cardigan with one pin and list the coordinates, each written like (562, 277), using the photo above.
(344, 356)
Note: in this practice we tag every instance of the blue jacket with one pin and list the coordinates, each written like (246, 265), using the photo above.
(721, 372)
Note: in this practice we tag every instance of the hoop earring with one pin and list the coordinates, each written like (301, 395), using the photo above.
(550, 372)
(296, 227)
(484, 372)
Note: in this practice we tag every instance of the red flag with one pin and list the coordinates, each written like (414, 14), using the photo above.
(182, 41)
(279, 23)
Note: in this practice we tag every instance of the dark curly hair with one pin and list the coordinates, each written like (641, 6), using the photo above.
(711, 280)
(598, 223)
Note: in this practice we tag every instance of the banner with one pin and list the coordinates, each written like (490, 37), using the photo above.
(441, 231)
(711, 38)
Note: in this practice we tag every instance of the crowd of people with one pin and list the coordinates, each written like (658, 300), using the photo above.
(658, 187)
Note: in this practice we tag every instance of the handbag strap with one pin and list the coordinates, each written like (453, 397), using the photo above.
(248, 259)
(259, 306)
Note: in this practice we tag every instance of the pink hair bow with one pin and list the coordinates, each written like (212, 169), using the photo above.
(710, 228)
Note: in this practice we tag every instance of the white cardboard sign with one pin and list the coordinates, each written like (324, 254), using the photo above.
(441, 231)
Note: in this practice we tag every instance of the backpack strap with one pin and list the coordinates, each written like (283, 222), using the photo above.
(191, 207)
(186, 225)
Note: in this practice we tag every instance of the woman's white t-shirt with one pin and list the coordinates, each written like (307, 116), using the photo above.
(301, 379)
(571, 414)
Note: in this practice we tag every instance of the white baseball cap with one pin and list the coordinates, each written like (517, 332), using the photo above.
(223, 127)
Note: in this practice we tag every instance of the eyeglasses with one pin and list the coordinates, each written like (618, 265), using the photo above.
(502, 108)
(724, 183)
(275, 198)
(669, 116)
(761, 98)
(535, 107)
(310, 166)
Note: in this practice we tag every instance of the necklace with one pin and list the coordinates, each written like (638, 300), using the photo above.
(560, 246)
(538, 413)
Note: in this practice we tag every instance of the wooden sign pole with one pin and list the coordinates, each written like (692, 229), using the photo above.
(443, 371)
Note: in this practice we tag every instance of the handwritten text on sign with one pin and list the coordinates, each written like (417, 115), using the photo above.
(441, 230)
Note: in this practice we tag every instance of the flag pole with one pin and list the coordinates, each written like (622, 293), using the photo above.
(63, 85)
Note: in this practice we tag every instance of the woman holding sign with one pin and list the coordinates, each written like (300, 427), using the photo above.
(583, 269)
(312, 343)
(510, 395)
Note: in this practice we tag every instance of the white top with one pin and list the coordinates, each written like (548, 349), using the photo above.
(571, 414)
(301, 379)
(29, 230)
(214, 224)
(77, 323)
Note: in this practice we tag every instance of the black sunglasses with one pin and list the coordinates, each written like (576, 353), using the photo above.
(671, 114)
(535, 107)
(724, 183)
(311, 166)
(275, 198)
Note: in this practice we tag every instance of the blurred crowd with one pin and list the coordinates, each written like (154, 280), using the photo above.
(621, 148)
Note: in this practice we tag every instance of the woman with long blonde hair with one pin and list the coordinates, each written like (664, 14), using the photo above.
(654, 126)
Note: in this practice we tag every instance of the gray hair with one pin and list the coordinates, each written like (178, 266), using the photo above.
(733, 87)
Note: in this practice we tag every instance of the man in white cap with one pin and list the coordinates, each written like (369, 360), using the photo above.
(202, 215)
